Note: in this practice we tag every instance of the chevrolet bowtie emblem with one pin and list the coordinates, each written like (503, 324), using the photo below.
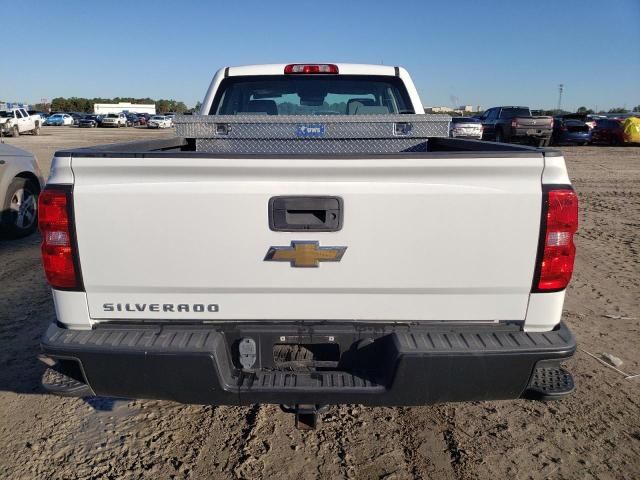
(304, 254)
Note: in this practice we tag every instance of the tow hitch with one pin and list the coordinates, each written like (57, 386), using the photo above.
(306, 415)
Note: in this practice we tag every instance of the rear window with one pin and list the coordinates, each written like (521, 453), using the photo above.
(310, 95)
(464, 120)
(607, 124)
(515, 112)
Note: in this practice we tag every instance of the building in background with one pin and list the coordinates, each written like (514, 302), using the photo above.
(104, 108)
(439, 109)
(10, 105)
(451, 110)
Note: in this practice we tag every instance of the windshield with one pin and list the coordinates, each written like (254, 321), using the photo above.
(112, 115)
(464, 120)
(309, 95)
(158, 117)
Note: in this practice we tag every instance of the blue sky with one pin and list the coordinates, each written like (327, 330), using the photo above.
(478, 52)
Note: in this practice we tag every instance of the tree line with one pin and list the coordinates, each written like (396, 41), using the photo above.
(587, 111)
(78, 104)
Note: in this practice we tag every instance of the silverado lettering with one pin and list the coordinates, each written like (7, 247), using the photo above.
(160, 307)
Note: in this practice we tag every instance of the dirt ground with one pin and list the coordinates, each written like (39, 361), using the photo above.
(593, 434)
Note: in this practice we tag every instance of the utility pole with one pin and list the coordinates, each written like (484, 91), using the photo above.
(560, 89)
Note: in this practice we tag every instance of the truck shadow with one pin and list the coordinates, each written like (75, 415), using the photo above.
(103, 404)
(26, 309)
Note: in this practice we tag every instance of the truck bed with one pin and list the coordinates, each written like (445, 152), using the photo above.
(186, 147)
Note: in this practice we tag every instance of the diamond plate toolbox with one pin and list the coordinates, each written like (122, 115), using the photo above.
(292, 134)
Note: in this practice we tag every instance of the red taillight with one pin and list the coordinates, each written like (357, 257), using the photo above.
(54, 207)
(514, 123)
(558, 252)
(308, 68)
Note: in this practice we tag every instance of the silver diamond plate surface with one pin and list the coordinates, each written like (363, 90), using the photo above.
(311, 133)
(335, 126)
(295, 146)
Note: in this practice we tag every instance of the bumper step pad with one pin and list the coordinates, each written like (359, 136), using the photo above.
(549, 383)
(58, 383)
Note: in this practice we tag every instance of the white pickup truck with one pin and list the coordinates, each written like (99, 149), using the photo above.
(16, 121)
(301, 242)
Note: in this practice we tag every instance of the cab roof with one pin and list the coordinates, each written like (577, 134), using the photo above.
(343, 69)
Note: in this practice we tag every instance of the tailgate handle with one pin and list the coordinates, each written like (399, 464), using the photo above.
(299, 213)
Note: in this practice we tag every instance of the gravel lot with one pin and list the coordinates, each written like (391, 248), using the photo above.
(593, 434)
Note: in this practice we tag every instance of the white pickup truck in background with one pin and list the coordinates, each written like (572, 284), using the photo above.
(16, 121)
(298, 244)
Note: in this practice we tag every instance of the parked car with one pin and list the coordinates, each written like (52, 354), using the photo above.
(16, 121)
(608, 132)
(213, 273)
(90, 121)
(76, 117)
(132, 120)
(516, 125)
(116, 120)
(143, 118)
(465, 127)
(569, 131)
(58, 119)
(159, 121)
(171, 116)
(588, 119)
(20, 185)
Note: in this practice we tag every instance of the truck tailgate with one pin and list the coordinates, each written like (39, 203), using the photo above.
(534, 122)
(428, 237)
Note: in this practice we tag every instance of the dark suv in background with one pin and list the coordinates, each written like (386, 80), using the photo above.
(90, 121)
(516, 125)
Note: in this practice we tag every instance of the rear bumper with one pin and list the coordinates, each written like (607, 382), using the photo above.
(467, 136)
(378, 364)
(523, 133)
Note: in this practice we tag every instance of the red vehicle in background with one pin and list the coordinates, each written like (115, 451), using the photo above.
(608, 132)
(142, 118)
